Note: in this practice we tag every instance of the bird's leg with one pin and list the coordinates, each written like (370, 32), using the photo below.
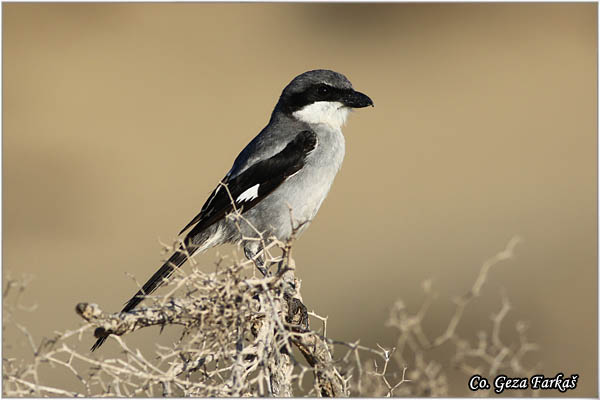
(259, 260)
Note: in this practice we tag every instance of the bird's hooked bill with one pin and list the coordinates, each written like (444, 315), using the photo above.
(356, 99)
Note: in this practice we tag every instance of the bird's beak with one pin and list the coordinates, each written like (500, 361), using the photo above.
(356, 99)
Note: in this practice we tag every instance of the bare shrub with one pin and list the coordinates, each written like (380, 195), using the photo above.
(488, 356)
(238, 337)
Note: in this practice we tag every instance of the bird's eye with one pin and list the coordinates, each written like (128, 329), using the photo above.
(323, 89)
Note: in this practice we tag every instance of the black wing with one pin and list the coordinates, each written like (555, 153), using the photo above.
(251, 186)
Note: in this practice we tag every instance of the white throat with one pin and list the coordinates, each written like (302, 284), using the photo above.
(332, 113)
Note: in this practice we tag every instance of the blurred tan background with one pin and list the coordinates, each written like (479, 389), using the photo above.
(119, 119)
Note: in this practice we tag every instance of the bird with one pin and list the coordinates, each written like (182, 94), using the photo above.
(278, 181)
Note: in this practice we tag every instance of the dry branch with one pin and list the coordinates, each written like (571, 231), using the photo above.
(238, 335)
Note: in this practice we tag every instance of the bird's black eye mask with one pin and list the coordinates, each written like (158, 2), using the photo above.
(317, 92)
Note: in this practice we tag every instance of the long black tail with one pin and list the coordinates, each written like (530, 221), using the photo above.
(174, 262)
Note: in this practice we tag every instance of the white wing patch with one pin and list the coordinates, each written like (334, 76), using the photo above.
(248, 194)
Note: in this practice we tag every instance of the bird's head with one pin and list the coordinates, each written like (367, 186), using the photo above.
(321, 96)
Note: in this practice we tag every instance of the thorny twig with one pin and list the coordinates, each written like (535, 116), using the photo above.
(238, 333)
